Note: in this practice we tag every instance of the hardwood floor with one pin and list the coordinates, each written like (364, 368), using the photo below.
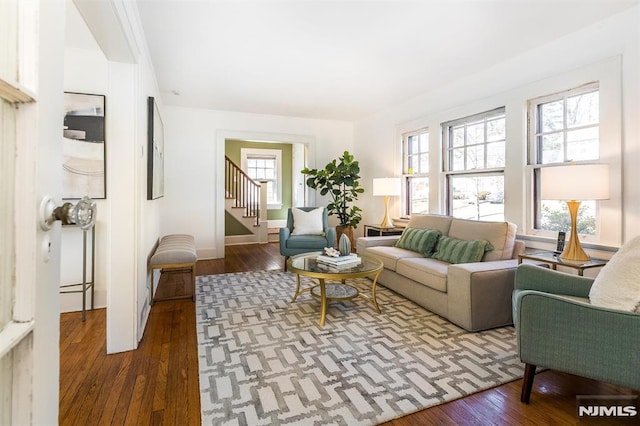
(158, 382)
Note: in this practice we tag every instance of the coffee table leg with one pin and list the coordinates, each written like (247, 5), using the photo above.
(374, 301)
(323, 302)
(295, 296)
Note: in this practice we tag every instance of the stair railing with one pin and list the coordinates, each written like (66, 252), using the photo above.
(243, 189)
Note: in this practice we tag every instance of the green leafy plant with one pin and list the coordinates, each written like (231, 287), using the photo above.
(339, 179)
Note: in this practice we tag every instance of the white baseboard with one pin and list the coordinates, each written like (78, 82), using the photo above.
(276, 223)
(207, 253)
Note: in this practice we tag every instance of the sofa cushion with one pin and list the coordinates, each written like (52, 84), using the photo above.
(430, 221)
(617, 285)
(501, 235)
(453, 250)
(390, 255)
(422, 241)
(315, 242)
(429, 272)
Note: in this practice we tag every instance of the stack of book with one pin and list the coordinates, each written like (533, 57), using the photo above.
(342, 262)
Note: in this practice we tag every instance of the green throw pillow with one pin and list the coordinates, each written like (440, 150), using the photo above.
(461, 251)
(422, 241)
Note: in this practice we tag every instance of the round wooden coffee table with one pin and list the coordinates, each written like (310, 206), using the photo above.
(306, 265)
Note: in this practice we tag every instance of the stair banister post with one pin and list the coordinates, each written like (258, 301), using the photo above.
(264, 234)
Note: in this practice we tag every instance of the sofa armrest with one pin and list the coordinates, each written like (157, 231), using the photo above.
(479, 294)
(578, 338)
(519, 247)
(531, 277)
(362, 243)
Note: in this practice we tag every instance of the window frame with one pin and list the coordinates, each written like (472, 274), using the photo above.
(407, 174)
(448, 152)
(534, 153)
(275, 154)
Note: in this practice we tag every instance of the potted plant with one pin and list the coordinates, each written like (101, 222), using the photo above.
(339, 179)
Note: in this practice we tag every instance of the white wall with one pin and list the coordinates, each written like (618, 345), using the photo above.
(194, 163)
(85, 71)
(608, 50)
(128, 224)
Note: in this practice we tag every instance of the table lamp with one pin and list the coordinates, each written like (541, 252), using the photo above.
(386, 187)
(573, 184)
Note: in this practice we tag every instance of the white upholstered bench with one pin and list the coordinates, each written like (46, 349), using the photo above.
(175, 252)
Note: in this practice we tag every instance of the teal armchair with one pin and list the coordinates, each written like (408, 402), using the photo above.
(291, 245)
(557, 328)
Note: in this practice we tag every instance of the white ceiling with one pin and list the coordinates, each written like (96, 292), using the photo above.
(341, 59)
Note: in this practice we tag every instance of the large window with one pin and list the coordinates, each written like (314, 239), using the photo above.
(564, 127)
(265, 165)
(474, 160)
(415, 146)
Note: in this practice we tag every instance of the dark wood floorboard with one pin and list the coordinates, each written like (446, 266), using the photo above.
(157, 384)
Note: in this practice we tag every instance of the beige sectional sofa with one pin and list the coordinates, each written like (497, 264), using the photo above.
(475, 296)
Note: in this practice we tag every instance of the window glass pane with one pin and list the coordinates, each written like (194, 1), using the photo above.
(418, 195)
(583, 110)
(270, 174)
(555, 217)
(478, 197)
(551, 116)
(424, 163)
(6, 385)
(475, 157)
(583, 144)
(251, 163)
(457, 159)
(496, 130)
(457, 136)
(551, 149)
(424, 142)
(414, 144)
(411, 168)
(7, 235)
(475, 133)
(495, 154)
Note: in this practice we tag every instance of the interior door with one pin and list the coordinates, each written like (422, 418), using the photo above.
(19, 112)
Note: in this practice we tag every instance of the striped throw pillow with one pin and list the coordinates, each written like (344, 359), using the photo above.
(422, 241)
(461, 251)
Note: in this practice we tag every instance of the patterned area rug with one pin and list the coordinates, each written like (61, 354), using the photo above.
(265, 361)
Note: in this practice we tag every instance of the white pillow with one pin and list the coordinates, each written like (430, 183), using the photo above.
(617, 286)
(307, 223)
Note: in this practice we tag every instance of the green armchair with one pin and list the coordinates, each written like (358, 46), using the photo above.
(557, 328)
(291, 245)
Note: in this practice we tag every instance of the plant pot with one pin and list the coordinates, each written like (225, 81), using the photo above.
(348, 230)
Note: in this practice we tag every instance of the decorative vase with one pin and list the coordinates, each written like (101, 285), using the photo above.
(344, 245)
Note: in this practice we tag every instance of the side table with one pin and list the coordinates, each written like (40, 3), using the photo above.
(377, 230)
(554, 260)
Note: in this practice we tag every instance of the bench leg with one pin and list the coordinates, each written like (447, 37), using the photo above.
(193, 280)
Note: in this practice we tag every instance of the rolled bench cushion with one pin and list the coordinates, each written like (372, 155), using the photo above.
(176, 251)
(178, 248)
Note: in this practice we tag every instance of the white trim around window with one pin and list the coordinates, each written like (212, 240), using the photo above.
(275, 202)
(607, 75)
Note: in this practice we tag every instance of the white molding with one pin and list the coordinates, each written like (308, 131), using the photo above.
(221, 136)
(12, 334)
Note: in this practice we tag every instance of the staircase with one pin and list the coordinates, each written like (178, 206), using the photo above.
(246, 202)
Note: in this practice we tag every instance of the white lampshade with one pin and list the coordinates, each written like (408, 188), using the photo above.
(386, 186)
(575, 182)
